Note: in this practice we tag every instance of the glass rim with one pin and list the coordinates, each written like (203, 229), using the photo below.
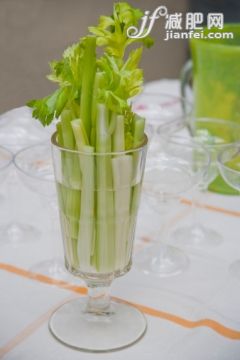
(9, 161)
(30, 175)
(221, 154)
(172, 96)
(111, 153)
(189, 125)
(206, 119)
(187, 142)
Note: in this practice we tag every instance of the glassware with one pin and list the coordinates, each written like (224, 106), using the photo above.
(18, 130)
(229, 166)
(214, 135)
(98, 196)
(214, 70)
(35, 169)
(215, 67)
(179, 167)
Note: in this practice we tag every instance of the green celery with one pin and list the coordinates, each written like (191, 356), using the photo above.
(88, 75)
(86, 220)
(105, 241)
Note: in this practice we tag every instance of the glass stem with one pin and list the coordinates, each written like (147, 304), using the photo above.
(196, 203)
(98, 300)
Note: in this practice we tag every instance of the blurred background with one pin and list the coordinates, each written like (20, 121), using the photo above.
(33, 32)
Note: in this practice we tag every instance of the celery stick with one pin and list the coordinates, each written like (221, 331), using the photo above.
(88, 74)
(86, 223)
(72, 176)
(138, 131)
(122, 178)
(118, 143)
(138, 139)
(86, 220)
(69, 201)
(97, 84)
(105, 242)
(69, 194)
(67, 133)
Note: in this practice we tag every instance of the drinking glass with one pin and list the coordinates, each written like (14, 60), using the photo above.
(179, 167)
(18, 130)
(35, 168)
(98, 196)
(229, 166)
(214, 135)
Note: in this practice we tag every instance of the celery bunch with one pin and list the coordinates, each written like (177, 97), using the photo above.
(98, 195)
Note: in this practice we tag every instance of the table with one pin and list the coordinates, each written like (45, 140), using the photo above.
(195, 315)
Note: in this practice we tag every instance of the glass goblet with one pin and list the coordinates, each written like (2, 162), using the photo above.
(229, 166)
(34, 165)
(214, 135)
(176, 170)
(98, 196)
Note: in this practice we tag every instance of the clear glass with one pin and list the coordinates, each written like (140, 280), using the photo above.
(214, 135)
(179, 167)
(35, 169)
(13, 233)
(229, 166)
(98, 196)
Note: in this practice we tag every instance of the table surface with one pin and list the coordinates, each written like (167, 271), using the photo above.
(194, 315)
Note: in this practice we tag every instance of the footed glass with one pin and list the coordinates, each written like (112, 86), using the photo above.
(214, 135)
(98, 196)
(179, 167)
(35, 169)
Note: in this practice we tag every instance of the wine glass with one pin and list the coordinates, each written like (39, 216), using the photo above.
(229, 166)
(35, 169)
(214, 135)
(179, 167)
(18, 130)
(98, 196)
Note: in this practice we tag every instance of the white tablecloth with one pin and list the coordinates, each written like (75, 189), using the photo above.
(192, 316)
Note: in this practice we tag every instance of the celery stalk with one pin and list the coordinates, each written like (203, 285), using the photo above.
(86, 219)
(122, 178)
(105, 242)
(88, 74)
(70, 163)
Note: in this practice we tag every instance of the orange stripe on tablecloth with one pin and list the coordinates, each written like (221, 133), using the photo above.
(43, 279)
(213, 208)
(30, 329)
(190, 324)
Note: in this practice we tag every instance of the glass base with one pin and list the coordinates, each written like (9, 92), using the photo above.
(234, 269)
(118, 328)
(162, 260)
(18, 234)
(53, 268)
(197, 237)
